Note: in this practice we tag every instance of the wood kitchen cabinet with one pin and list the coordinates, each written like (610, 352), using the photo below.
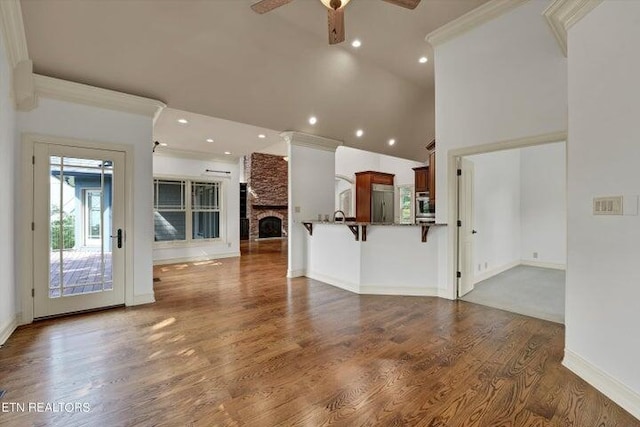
(431, 179)
(421, 179)
(364, 181)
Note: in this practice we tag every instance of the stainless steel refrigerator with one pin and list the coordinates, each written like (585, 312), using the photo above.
(382, 203)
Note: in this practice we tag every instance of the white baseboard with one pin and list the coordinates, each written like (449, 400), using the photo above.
(292, 274)
(351, 287)
(195, 258)
(494, 272)
(405, 291)
(144, 299)
(552, 265)
(7, 328)
(621, 394)
(375, 289)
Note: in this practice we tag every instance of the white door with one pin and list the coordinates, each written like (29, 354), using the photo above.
(465, 230)
(79, 241)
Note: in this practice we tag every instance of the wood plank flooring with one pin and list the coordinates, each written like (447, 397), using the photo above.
(234, 343)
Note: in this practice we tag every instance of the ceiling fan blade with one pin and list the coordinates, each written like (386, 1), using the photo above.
(264, 6)
(336, 26)
(409, 4)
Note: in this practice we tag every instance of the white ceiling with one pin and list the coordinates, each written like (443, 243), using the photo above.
(218, 58)
(228, 136)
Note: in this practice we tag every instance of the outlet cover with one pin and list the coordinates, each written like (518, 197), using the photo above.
(535, 255)
(611, 205)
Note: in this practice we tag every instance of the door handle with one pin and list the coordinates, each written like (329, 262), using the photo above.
(119, 237)
(474, 232)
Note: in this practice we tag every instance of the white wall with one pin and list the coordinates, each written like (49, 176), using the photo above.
(7, 199)
(351, 160)
(496, 212)
(504, 80)
(393, 260)
(603, 292)
(229, 244)
(311, 192)
(66, 119)
(543, 204)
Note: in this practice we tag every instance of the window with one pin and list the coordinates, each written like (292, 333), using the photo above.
(178, 217)
(205, 210)
(405, 204)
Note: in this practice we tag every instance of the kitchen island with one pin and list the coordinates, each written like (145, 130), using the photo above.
(374, 258)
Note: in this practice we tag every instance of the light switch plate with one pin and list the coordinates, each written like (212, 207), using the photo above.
(610, 205)
(296, 209)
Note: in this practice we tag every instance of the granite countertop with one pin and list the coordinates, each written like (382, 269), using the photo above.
(388, 224)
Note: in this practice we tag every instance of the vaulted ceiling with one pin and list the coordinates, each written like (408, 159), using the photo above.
(218, 58)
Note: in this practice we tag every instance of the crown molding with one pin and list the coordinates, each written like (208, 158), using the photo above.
(471, 20)
(563, 14)
(49, 87)
(311, 141)
(13, 32)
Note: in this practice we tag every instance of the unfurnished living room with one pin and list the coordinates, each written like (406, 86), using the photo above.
(319, 212)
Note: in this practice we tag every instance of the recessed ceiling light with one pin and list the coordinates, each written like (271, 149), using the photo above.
(227, 152)
(183, 121)
(209, 140)
(423, 60)
(163, 144)
(392, 141)
(359, 133)
(313, 120)
(356, 43)
(262, 136)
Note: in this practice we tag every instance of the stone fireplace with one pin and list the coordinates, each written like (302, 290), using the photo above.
(267, 195)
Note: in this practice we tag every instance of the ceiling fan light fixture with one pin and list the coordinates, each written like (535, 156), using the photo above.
(335, 4)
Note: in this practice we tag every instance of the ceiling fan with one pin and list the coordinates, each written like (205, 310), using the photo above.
(336, 13)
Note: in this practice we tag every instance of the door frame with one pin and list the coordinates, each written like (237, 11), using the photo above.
(451, 291)
(26, 212)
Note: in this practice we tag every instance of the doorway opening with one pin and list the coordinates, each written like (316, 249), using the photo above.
(511, 229)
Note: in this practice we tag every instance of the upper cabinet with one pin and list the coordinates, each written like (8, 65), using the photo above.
(421, 179)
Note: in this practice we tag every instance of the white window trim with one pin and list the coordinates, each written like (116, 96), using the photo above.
(189, 240)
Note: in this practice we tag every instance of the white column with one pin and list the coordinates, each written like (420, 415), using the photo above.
(312, 170)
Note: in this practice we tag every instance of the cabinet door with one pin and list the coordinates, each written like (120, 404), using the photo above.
(363, 197)
(432, 178)
(421, 180)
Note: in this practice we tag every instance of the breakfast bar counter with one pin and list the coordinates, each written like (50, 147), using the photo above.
(375, 258)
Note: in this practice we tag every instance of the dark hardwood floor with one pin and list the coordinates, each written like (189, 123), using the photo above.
(234, 343)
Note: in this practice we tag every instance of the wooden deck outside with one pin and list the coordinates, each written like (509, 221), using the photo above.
(82, 272)
(232, 342)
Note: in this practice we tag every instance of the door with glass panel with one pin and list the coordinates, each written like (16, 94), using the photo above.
(79, 239)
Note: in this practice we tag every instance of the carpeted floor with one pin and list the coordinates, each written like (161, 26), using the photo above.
(532, 291)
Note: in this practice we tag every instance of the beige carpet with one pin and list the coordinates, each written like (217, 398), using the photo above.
(532, 291)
